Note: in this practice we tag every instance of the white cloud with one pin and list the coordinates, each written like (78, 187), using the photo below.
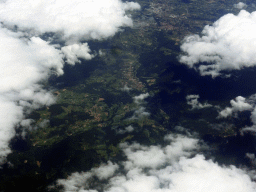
(77, 19)
(253, 119)
(193, 101)
(26, 122)
(151, 169)
(126, 88)
(139, 99)
(180, 146)
(142, 156)
(24, 63)
(106, 171)
(200, 175)
(156, 156)
(229, 44)
(140, 110)
(75, 51)
(128, 129)
(239, 104)
(10, 115)
(43, 123)
(240, 5)
(77, 181)
(251, 101)
(252, 158)
(248, 129)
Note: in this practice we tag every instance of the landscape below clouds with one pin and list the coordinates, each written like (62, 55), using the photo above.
(28, 60)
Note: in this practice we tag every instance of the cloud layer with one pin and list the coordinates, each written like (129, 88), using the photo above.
(163, 169)
(77, 19)
(229, 44)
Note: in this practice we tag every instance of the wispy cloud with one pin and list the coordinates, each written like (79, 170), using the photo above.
(140, 110)
(195, 104)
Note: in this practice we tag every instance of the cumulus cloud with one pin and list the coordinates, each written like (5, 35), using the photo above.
(193, 101)
(24, 63)
(239, 104)
(153, 169)
(44, 123)
(143, 156)
(77, 19)
(252, 102)
(128, 129)
(253, 120)
(156, 156)
(198, 174)
(75, 51)
(126, 88)
(229, 44)
(240, 5)
(77, 181)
